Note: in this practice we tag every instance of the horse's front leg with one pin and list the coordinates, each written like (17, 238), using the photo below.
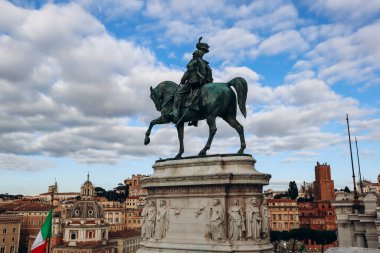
(180, 128)
(212, 131)
(159, 120)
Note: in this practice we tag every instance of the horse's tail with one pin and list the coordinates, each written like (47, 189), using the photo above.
(241, 87)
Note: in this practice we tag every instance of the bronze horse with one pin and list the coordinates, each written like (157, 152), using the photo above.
(215, 100)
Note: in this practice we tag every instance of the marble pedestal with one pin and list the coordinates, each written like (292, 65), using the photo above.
(204, 204)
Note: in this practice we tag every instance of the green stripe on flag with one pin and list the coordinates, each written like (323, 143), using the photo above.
(46, 227)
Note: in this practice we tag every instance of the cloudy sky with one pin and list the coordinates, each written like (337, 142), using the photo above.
(75, 78)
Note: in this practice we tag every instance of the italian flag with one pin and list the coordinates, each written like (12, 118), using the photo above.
(39, 245)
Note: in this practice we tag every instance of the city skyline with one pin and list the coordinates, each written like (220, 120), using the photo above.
(75, 78)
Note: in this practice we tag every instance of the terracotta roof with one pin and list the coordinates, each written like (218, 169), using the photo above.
(125, 233)
(25, 206)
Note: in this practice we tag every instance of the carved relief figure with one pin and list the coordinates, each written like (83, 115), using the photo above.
(265, 219)
(236, 221)
(150, 220)
(162, 222)
(144, 214)
(253, 220)
(217, 221)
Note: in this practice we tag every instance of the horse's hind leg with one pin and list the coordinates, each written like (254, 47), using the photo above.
(212, 128)
(239, 128)
(180, 128)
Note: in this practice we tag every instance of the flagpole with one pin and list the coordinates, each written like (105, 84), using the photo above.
(51, 208)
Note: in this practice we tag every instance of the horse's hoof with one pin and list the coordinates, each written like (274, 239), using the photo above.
(146, 141)
(241, 151)
(179, 155)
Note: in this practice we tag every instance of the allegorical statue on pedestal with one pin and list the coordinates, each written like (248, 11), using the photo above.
(144, 214)
(161, 221)
(217, 221)
(253, 220)
(236, 226)
(150, 220)
(265, 219)
(198, 98)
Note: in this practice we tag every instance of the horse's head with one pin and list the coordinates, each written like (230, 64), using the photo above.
(156, 96)
(163, 93)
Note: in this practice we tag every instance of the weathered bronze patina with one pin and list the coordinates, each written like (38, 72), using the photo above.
(197, 98)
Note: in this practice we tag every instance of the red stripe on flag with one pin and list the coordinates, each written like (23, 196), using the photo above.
(40, 249)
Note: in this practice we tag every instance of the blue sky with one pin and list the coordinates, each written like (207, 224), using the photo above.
(75, 78)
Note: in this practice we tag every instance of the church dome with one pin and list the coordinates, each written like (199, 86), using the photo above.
(86, 209)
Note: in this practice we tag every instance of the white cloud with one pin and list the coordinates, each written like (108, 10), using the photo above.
(232, 44)
(347, 11)
(23, 163)
(353, 59)
(285, 41)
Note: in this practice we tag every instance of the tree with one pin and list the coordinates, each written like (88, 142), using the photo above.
(275, 239)
(99, 191)
(346, 189)
(293, 190)
(323, 237)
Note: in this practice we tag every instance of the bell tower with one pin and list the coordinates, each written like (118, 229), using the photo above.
(87, 190)
(323, 185)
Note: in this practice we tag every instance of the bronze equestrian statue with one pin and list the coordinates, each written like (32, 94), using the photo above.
(206, 100)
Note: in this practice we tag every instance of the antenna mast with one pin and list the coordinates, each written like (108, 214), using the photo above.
(360, 174)
(352, 161)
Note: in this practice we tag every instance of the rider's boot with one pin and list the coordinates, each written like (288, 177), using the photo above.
(176, 109)
(193, 123)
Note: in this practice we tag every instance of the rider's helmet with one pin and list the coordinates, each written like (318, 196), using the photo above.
(202, 46)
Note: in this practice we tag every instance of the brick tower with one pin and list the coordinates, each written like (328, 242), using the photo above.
(323, 185)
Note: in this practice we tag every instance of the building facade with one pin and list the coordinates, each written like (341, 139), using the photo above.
(10, 227)
(33, 216)
(283, 214)
(134, 186)
(319, 214)
(126, 241)
(85, 229)
(368, 186)
(114, 214)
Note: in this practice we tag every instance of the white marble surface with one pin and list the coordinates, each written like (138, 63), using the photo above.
(191, 187)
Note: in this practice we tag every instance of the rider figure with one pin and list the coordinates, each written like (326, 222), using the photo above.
(197, 74)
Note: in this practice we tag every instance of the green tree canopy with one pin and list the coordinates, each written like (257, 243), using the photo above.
(293, 190)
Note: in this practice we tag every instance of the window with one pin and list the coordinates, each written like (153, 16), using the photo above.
(4, 230)
(2, 249)
(274, 217)
(285, 217)
(73, 235)
(279, 217)
(12, 249)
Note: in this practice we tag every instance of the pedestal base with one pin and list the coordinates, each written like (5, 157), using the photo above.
(205, 204)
